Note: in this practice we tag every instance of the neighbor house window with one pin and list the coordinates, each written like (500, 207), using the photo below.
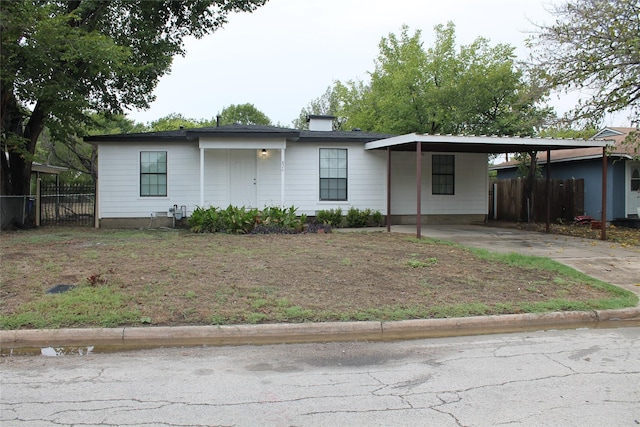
(153, 173)
(442, 174)
(333, 174)
(635, 180)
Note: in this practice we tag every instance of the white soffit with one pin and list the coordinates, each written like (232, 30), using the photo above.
(487, 144)
(247, 143)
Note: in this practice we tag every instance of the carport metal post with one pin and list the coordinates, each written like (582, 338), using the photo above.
(388, 189)
(418, 189)
(548, 191)
(603, 225)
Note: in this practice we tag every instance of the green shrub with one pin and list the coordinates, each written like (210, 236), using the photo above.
(239, 220)
(205, 220)
(332, 217)
(377, 218)
(357, 218)
(283, 218)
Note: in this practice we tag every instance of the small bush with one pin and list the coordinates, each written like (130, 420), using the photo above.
(332, 217)
(377, 218)
(239, 220)
(209, 220)
(281, 219)
(357, 218)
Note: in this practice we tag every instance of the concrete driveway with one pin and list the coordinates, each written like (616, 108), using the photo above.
(604, 260)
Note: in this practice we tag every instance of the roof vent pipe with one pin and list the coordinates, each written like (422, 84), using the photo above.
(218, 118)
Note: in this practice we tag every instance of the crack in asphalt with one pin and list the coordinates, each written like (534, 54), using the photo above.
(445, 398)
(400, 386)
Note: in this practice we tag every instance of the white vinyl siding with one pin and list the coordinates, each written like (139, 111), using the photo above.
(119, 178)
(471, 188)
(366, 178)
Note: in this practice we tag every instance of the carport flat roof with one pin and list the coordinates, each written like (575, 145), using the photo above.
(478, 144)
(418, 143)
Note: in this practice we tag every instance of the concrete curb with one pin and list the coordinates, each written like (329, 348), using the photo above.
(167, 336)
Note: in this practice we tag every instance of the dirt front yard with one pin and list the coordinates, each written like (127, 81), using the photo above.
(177, 277)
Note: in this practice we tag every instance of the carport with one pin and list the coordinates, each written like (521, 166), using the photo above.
(420, 143)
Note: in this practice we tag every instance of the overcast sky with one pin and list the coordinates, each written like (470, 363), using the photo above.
(288, 52)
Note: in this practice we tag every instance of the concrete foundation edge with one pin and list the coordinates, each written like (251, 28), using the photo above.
(172, 336)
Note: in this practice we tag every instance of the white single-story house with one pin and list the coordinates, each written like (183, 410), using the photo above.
(146, 176)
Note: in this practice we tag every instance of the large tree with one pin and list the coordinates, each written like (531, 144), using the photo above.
(476, 89)
(63, 60)
(173, 121)
(330, 103)
(246, 114)
(78, 156)
(593, 46)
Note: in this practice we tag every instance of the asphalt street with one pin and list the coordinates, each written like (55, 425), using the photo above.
(561, 378)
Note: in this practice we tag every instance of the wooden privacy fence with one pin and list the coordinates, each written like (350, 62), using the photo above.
(67, 204)
(508, 201)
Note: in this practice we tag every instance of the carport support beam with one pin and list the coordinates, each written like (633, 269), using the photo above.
(603, 225)
(388, 189)
(418, 189)
(548, 192)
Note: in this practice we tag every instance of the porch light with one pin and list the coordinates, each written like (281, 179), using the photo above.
(264, 153)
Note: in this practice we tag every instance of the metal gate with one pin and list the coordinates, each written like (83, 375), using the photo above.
(67, 204)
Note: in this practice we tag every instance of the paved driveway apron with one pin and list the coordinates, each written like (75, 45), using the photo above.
(604, 260)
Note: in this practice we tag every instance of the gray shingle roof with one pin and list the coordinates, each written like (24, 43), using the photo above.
(333, 136)
(239, 131)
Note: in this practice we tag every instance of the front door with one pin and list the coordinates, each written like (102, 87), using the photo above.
(242, 178)
(633, 188)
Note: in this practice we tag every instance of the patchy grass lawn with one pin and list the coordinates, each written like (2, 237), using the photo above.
(626, 237)
(180, 278)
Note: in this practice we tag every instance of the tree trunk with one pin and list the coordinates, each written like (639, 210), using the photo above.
(530, 182)
(20, 144)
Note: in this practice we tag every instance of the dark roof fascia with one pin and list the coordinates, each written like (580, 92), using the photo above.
(186, 135)
(241, 131)
(340, 136)
(169, 136)
(237, 134)
(320, 116)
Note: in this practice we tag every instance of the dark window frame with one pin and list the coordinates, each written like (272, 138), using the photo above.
(333, 188)
(635, 180)
(443, 174)
(149, 169)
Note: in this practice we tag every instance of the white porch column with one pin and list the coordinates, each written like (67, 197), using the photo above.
(282, 169)
(202, 177)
